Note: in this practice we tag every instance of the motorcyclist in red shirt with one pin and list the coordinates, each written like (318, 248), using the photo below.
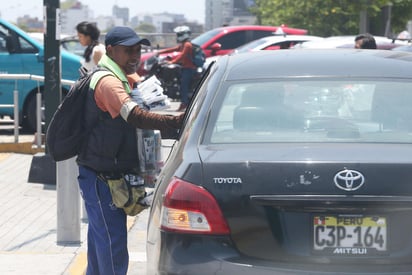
(184, 59)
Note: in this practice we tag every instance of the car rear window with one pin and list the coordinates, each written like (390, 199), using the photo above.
(314, 111)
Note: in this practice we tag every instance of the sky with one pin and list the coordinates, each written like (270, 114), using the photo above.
(194, 10)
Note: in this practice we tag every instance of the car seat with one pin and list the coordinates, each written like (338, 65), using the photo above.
(262, 108)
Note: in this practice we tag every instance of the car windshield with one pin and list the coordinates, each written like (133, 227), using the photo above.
(314, 111)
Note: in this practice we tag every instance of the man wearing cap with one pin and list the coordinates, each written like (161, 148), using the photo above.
(111, 150)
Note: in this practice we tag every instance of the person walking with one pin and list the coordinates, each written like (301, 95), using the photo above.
(111, 150)
(88, 35)
(188, 70)
(365, 41)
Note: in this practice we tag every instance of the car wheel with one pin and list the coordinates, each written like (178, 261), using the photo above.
(30, 117)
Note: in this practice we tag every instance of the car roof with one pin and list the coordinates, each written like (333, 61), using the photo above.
(317, 63)
(258, 27)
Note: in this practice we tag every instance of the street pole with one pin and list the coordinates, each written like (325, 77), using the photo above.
(68, 195)
(52, 60)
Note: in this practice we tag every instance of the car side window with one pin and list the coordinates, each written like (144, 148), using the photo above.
(20, 45)
(25, 46)
(259, 34)
(3, 47)
(232, 40)
(3, 35)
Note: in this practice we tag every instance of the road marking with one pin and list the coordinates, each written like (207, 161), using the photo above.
(79, 265)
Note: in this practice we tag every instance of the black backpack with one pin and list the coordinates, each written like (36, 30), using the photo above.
(198, 55)
(66, 131)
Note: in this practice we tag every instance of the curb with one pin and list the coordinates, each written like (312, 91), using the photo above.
(21, 148)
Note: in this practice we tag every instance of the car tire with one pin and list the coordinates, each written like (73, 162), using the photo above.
(30, 117)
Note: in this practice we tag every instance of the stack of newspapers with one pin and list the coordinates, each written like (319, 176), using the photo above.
(152, 94)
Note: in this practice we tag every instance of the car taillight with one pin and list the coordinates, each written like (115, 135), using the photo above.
(188, 208)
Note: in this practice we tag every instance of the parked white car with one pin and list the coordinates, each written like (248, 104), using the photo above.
(348, 41)
(276, 42)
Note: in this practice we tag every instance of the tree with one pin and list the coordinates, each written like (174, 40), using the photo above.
(402, 13)
(329, 17)
(145, 28)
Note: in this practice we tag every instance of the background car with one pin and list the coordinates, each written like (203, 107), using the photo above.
(403, 48)
(72, 44)
(290, 162)
(20, 53)
(220, 41)
(68, 43)
(275, 42)
(348, 41)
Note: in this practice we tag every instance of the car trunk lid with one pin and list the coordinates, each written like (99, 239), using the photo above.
(282, 202)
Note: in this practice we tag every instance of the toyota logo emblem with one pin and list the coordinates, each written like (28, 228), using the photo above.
(349, 180)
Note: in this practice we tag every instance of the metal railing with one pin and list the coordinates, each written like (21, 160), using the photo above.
(15, 104)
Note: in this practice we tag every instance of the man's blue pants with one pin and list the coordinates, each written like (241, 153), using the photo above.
(107, 252)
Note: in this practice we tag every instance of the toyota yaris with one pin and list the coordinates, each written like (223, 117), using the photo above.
(290, 162)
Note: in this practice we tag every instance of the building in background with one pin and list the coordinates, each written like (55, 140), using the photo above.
(32, 23)
(70, 17)
(162, 22)
(217, 13)
(228, 12)
(121, 13)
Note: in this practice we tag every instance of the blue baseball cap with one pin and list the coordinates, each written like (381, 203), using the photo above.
(124, 36)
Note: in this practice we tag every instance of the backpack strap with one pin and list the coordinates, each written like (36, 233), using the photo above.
(97, 75)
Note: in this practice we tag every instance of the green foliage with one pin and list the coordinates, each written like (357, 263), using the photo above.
(401, 14)
(145, 28)
(68, 4)
(330, 17)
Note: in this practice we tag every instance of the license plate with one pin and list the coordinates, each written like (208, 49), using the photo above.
(349, 235)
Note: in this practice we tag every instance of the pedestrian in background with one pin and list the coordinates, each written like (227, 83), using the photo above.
(88, 35)
(111, 151)
(184, 59)
(365, 41)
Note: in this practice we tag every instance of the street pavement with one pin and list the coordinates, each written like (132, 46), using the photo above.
(28, 220)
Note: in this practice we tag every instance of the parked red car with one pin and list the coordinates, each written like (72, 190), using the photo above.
(222, 40)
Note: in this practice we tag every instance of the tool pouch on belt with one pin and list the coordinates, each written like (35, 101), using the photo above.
(127, 193)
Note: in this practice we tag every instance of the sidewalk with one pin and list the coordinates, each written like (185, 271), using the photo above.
(28, 220)
(28, 223)
(28, 227)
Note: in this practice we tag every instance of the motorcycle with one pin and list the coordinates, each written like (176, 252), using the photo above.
(169, 75)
